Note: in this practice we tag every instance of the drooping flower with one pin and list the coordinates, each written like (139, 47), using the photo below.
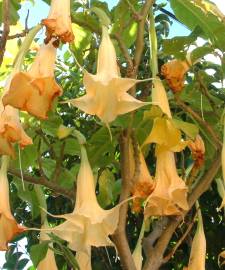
(58, 24)
(89, 224)
(106, 92)
(8, 225)
(11, 131)
(198, 248)
(49, 261)
(170, 194)
(165, 134)
(35, 90)
(159, 96)
(84, 259)
(137, 253)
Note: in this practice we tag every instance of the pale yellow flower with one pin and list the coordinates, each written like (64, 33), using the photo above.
(106, 92)
(48, 263)
(84, 259)
(170, 194)
(198, 248)
(88, 224)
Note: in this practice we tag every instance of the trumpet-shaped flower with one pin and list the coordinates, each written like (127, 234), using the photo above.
(169, 195)
(11, 130)
(49, 261)
(88, 224)
(8, 225)
(198, 249)
(58, 23)
(174, 72)
(35, 90)
(159, 96)
(84, 259)
(106, 92)
(165, 134)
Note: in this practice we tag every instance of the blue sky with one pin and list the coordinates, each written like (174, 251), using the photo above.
(40, 9)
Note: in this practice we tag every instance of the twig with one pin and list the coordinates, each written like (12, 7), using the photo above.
(44, 182)
(57, 170)
(198, 118)
(120, 237)
(123, 49)
(140, 32)
(135, 14)
(180, 241)
(6, 28)
(205, 92)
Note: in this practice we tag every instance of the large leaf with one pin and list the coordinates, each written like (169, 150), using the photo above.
(191, 15)
(38, 252)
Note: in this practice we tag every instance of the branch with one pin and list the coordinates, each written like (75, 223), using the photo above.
(6, 28)
(198, 118)
(123, 49)
(140, 33)
(119, 236)
(44, 182)
(155, 257)
(180, 241)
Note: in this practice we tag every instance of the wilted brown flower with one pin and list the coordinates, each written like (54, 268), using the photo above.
(58, 24)
(174, 72)
(197, 148)
(35, 90)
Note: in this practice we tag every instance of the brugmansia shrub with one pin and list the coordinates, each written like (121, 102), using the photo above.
(110, 134)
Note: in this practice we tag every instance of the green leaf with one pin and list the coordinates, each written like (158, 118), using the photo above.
(28, 196)
(189, 129)
(106, 183)
(101, 149)
(81, 45)
(200, 52)
(124, 23)
(191, 15)
(38, 252)
(48, 166)
(51, 125)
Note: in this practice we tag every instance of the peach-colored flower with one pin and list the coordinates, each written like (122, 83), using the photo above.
(198, 248)
(11, 130)
(35, 90)
(170, 194)
(106, 92)
(58, 23)
(8, 225)
(48, 263)
(174, 72)
(84, 259)
(89, 224)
